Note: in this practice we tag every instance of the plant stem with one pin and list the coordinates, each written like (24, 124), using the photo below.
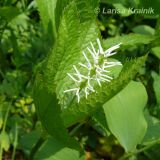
(6, 117)
(3, 129)
(1, 151)
(36, 147)
(140, 150)
(15, 142)
(73, 131)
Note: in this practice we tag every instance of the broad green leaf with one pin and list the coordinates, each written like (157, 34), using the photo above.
(72, 37)
(144, 29)
(124, 115)
(156, 85)
(49, 111)
(75, 33)
(4, 141)
(77, 112)
(47, 104)
(128, 40)
(54, 150)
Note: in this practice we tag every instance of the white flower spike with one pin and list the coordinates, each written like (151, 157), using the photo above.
(98, 64)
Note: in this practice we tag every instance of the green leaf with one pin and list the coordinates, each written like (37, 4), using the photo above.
(9, 12)
(54, 150)
(156, 85)
(124, 115)
(158, 28)
(47, 14)
(125, 3)
(20, 20)
(144, 29)
(156, 51)
(3, 109)
(150, 4)
(123, 10)
(153, 129)
(47, 104)
(73, 35)
(73, 38)
(86, 9)
(128, 40)
(51, 12)
(78, 112)
(4, 141)
(49, 111)
(27, 141)
(114, 1)
(100, 119)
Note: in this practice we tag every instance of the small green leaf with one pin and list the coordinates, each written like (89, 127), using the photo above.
(51, 13)
(156, 51)
(128, 40)
(124, 115)
(158, 28)
(47, 14)
(4, 141)
(3, 110)
(144, 29)
(156, 85)
(123, 10)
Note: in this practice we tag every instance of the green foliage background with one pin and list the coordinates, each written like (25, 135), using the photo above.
(39, 42)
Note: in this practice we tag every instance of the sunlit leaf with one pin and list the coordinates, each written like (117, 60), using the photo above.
(124, 115)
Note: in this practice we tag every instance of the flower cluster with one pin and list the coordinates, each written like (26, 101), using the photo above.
(97, 69)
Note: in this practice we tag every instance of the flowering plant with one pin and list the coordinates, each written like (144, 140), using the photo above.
(77, 80)
(97, 69)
